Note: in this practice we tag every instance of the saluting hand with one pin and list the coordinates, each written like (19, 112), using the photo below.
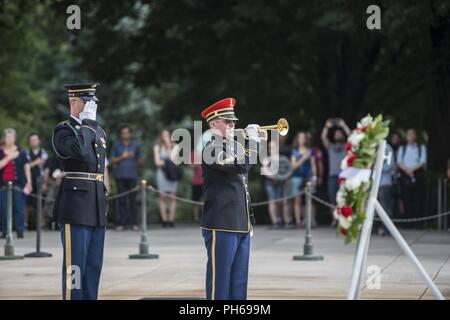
(90, 111)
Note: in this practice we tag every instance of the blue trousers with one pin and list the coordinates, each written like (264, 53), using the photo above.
(82, 261)
(333, 187)
(227, 267)
(125, 184)
(18, 210)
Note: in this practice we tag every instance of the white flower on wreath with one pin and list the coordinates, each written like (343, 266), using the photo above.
(340, 197)
(344, 222)
(355, 138)
(352, 184)
(367, 120)
(335, 214)
(344, 164)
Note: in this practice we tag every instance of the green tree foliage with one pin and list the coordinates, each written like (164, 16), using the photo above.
(160, 62)
(32, 57)
(305, 60)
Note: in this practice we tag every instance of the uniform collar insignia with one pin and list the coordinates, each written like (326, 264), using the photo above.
(74, 123)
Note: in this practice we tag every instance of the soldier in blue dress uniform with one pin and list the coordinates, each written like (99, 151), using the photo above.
(227, 216)
(80, 207)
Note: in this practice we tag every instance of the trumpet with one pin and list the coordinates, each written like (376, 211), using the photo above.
(282, 127)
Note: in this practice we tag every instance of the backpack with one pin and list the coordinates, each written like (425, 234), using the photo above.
(172, 171)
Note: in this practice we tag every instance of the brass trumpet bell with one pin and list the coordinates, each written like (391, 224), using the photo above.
(282, 127)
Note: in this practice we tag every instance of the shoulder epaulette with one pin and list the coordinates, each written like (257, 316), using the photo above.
(104, 133)
(67, 123)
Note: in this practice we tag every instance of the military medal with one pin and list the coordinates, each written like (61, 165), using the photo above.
(102, 140)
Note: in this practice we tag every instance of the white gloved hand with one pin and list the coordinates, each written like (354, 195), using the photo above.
(252, 132)
(90, 111)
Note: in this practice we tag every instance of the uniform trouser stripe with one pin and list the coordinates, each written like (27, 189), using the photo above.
(213, 263)
(68, 261)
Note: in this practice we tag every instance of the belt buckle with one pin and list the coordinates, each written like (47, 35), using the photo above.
(98, 177)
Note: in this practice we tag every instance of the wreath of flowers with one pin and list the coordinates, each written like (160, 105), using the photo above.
(354, 180)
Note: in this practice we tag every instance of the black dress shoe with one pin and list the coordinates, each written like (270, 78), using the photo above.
(171, 224)
(19, 235)
(164, 224)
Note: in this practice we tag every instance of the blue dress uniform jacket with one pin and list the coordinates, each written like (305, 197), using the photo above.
(81, 149)
(227, 199)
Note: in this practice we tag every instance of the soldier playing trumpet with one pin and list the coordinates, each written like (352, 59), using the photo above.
(227, 216)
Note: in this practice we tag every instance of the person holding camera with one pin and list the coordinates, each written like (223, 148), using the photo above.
(336, 152)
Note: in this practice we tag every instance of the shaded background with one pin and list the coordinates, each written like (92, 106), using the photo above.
(161, 62)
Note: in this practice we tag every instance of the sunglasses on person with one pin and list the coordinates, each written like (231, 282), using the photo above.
(229, 121)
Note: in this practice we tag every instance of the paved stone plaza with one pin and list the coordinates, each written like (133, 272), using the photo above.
(179, 271)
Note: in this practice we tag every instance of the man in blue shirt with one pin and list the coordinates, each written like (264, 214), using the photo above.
(126, 157)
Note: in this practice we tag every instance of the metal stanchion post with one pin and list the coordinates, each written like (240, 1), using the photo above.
(38, 253)
(143, 245)
(9, 245)
(308, 249)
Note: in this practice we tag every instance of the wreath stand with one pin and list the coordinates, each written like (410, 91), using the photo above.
(363, 243)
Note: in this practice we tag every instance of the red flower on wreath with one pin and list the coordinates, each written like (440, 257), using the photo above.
(348, 147)
(341, 180)
(351, 159)
(346, 211)
(344, 232)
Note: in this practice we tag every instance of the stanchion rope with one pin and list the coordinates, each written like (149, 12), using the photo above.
(120, 195)
(406, 220)
(110, 198)
(200, 203)
(255, 204)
